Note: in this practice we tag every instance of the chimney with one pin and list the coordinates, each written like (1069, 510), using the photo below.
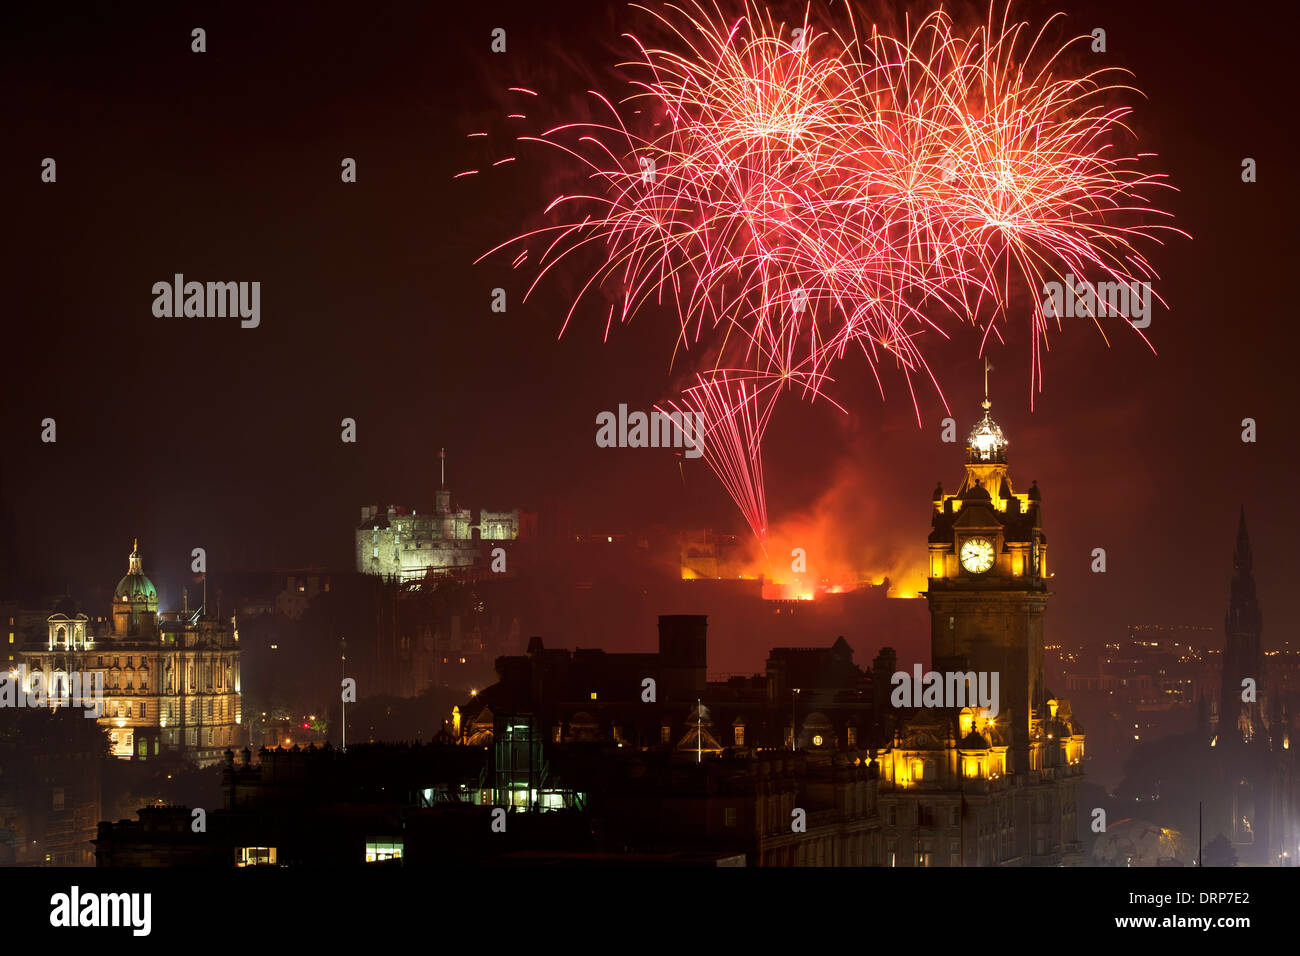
(683, 655)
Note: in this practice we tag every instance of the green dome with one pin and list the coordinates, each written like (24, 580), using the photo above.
(135, 587)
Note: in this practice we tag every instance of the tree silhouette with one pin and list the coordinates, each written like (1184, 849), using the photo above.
(1220, 852)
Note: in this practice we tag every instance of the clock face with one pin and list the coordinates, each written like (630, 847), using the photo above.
(977, 555)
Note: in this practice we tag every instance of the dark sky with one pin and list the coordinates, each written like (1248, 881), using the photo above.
(225, 166)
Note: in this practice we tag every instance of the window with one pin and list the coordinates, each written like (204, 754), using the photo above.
(57, 798)
(377, 851)
(256, 856)
(740, 735)
(729, 817)
(665, 734)
(142, 710)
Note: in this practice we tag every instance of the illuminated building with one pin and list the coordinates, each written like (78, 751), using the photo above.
(956, 787)
(171, 681)
(400, 542)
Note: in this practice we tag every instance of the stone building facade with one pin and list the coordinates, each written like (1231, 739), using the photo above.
(170, 681)
(973, 785)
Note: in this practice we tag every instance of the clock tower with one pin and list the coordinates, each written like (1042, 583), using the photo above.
(987, 587)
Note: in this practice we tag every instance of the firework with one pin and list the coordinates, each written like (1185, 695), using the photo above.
(795, 197)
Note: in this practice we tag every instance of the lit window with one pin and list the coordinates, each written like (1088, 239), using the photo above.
(593, 695)
(256, 856)
(379, 850)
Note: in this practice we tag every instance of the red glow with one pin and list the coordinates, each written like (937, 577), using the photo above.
(800, 202)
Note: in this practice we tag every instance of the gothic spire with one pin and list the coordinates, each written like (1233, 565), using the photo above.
(1243, 604)
(1242, 560)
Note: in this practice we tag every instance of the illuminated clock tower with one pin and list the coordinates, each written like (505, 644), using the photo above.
(988, 587)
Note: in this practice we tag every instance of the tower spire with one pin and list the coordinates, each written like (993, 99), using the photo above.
(1243, 653)
(442, 459)
(986, 442)
(1242, 559)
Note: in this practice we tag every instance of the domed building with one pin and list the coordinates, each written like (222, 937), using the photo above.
(135, 600)
(161, 682)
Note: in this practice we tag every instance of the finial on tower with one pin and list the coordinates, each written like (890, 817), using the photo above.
(133, 562)
(986, 442)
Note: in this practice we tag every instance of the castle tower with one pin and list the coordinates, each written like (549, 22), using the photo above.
(988, 586)
(1243, 653)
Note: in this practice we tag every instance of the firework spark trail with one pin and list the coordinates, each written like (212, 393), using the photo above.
(795, 201)
(734, 408)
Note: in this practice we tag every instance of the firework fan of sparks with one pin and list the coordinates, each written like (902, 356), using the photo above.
(796, 196)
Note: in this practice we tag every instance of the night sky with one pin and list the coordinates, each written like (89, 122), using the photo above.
(225, 166)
